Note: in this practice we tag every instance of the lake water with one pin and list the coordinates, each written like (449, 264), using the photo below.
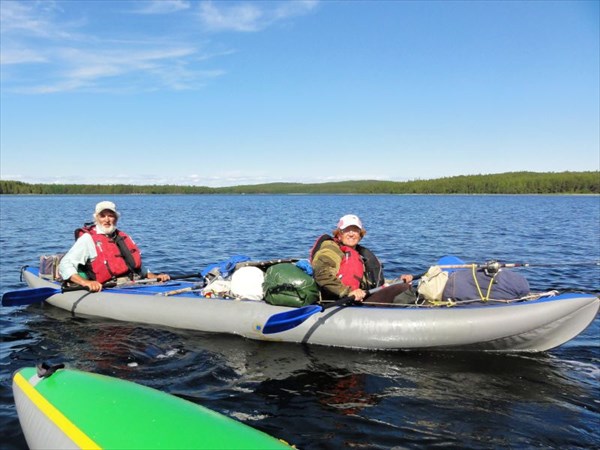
(320, 397)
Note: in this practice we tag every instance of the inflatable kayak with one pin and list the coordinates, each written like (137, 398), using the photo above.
(518, 326)
(72, 409)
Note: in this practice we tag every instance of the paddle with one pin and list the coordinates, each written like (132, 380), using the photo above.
(29, 296)
(494, 265)
(37, 295)
(290, 319)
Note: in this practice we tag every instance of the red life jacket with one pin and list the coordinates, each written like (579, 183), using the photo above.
(371, 267)
(352, 268)
(112, 261)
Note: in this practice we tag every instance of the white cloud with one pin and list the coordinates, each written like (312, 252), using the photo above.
(18, 16)
(294, 8)
(235, 18)
(106, 62)
(162, 6)
(75, 68)
(32, 19)
(248, 17)
(64, 37)
(21, 56)
(36, 32)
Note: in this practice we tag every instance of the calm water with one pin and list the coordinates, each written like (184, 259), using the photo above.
(319, 397)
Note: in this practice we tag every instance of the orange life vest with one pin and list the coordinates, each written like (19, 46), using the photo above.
(117, 256)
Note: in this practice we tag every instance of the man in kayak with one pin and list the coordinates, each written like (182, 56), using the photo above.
(342, 267)
(103, 253)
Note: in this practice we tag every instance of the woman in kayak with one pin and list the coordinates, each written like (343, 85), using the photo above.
(102, 253)
(342, 267)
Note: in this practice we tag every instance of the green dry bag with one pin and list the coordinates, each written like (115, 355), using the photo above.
(288, 285)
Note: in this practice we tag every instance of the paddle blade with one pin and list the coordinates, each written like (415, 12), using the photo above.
(28, 296)
(289, 319)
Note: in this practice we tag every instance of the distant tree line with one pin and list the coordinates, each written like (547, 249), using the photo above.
(504, 183)
(18, 187)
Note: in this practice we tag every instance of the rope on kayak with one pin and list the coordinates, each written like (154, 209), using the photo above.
(489, 290)
(457, 303)
(449, 303)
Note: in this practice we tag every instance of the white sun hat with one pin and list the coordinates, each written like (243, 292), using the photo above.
(106, 205)
(348, 220)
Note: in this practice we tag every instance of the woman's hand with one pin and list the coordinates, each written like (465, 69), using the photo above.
(358, 294)
(407, 278)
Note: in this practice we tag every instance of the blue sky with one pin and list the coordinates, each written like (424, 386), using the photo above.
(227, 93)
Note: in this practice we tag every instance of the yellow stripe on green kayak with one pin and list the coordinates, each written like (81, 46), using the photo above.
(78, 409)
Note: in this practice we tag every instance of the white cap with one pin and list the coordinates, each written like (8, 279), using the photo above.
(349, 220)
(107, 205)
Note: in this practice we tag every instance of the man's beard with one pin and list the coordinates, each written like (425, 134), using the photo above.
(106, 230)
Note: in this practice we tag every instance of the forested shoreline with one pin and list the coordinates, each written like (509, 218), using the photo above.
(504, 183)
